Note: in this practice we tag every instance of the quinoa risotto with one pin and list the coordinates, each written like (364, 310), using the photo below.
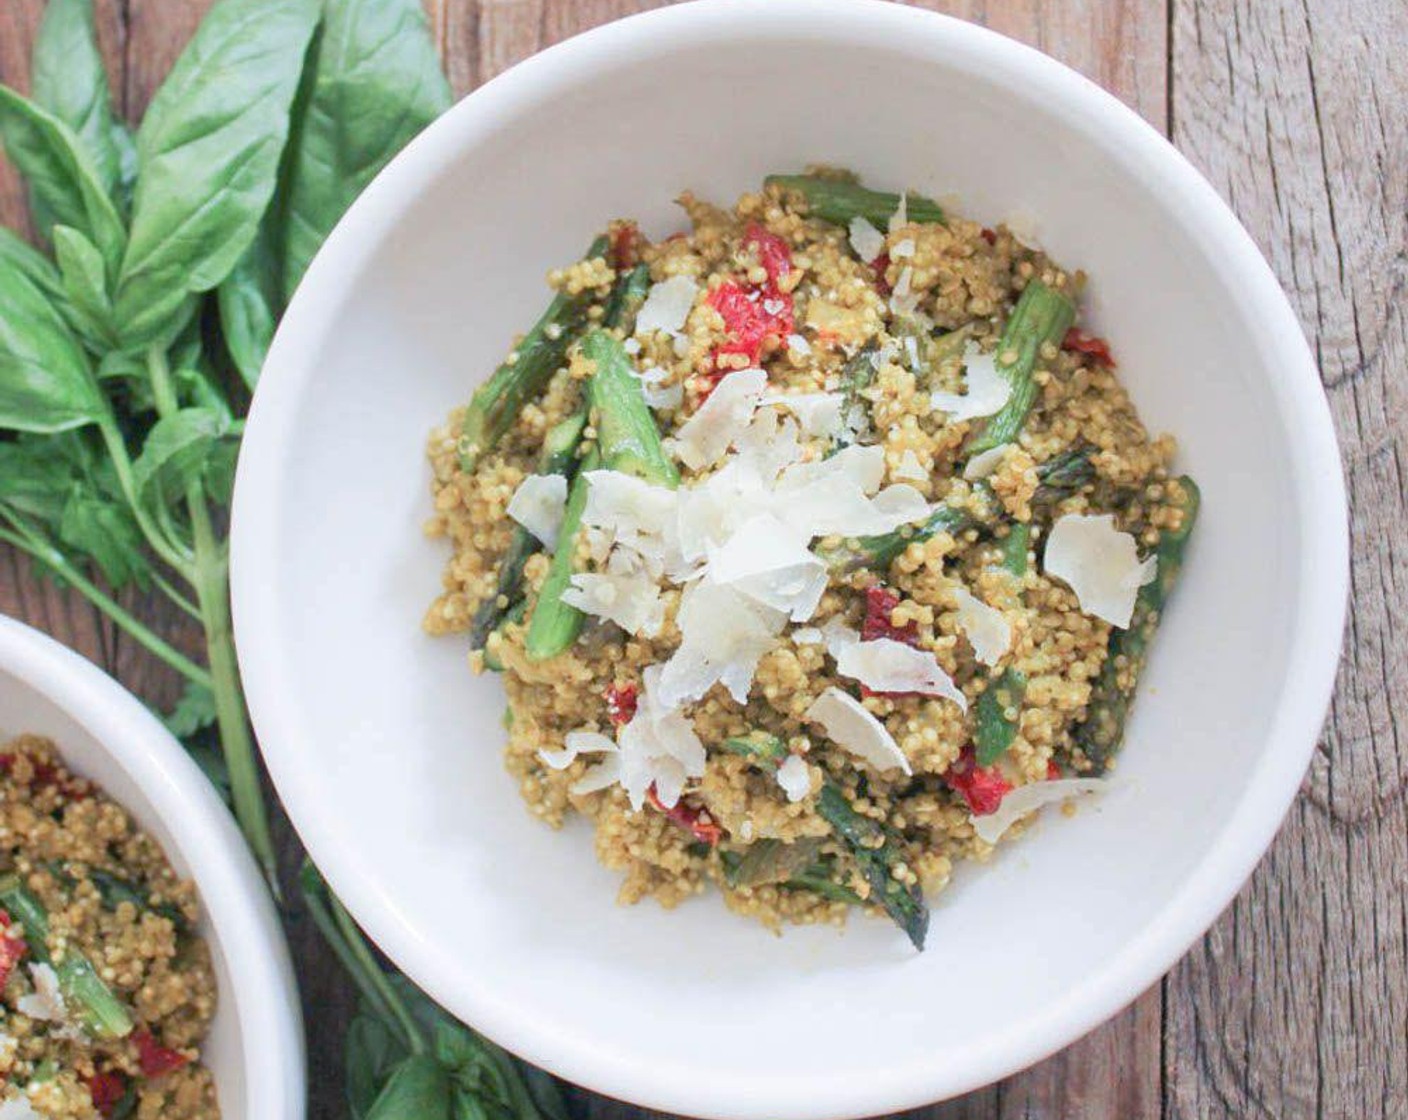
(105, 990)
(817, 546)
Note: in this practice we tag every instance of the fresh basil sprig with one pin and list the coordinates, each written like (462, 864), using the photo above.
(125, 365)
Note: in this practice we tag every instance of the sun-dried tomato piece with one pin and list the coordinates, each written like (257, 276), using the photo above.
(12, 949)
(1053, 772)
(1096, 349)
(46, 776)
(881, 265)
(752, 317)
(773, 253)
(621, 703)
(989, 235)
(696, 822)
(106, 1089)
(154, 1058)
(983, 787)
(880, 604)
(625, 246)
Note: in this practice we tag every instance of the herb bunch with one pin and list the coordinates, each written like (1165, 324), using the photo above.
(128, 353)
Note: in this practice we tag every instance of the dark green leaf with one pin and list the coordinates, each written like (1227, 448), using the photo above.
(30, 263)
(377, 83)
(85, 285)
(194, 711)
(174, 454)
(34, 479)
(71, 82)
(209, 150)
(455, 1045)
(46, 384)
(543, 1088)
(212, 764)
(248, 299)
(419, 1089)
(105, 531)
(371, 1052)
(220, 471)
(66, 187)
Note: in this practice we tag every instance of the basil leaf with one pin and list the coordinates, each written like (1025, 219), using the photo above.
(173, 455)
(209, 150)
(85, 285)
(106, 532)
(247, 300)
(30, 263)
(64, 184)
(71, 82)
(34, 479)
(46, 384)
(220, 470)
(377, 82)
(418, 1090)
(372, 1052)
(194, 711)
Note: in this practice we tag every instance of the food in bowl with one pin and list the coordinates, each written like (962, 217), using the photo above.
(817, 546)
(106, 990)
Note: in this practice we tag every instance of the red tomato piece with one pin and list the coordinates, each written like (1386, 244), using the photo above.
(1096, 349)
(106, 1090)
(1053, 772)
(625, 246)
(881, 264)
(621, 703)
(983, 787)
(12, 949)
(154, 1058)
(880, 604)
(773, 253)
(990, 236)
(751, 317)
(696, 822)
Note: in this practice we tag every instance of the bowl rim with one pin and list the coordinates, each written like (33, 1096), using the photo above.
(233, 897)
(1317, 486)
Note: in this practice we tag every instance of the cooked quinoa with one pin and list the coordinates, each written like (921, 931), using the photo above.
(105, 1015)
(843, 712)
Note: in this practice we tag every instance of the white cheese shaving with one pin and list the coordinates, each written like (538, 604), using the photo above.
(46, 1002)
(657, 394)
(795, 777)
(658, 748)
(1025, 226)
(537, 505)
(798, 346)
(902, 300)
(601, 776)
(630, 599)
(1099, 563)
(19, 1108)
(985, 627)
(866, 240)
(631, 346)
(807, 636)
(818, 414)
(885, 665)
(900, 218)
(667, 306)
(834, 496)
(910, 468)
(577, 743)
(903, 249)
(631, 511)
(985, 463)
(720, 420)
(1027, 799)
(771, 564)
(988, 390)
(848, 724)
(724, 635)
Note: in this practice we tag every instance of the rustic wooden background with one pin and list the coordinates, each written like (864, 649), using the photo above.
(1296, 1004)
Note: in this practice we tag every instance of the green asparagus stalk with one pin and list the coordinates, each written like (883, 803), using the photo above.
(1112, 694)
(497, 403)
(626, 299)
(999, 707)
(101, 1012)
(555, 624)
(856, 376)
(629, 437)
(864, 838)
(1042, 315)
(839, 200)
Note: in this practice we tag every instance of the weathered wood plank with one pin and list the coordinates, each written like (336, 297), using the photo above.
(1296, 1005)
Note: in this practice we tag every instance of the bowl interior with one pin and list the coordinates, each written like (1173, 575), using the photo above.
(387, 751)
(24, 708)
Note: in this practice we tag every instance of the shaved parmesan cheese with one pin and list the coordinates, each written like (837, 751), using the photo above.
(819, 414)
(902, 300)
(18, 1108)
(986, 628)
(866, 240)
(885, 665)
(1099, 563)
(910, 468)
(667, 306)
(711, 431)
(985, 463)
(833, 496)
(903, 249)
(848, 724)
(795, 778)
(632, 511)
(601, 776)
(577, 743)
(659, 396)
(771, 564)
(900, 218)
(798, 346)
(1028, 799)
(630, 599)
(46, 1002)
(807, 636)
(987, 391)
(537, 505)
(1025, 226)
(724, 635)
(658, 747)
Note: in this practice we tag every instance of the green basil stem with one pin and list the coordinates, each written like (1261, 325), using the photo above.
(167, 588)
(210, 578)
(161, 542)
(35, 546)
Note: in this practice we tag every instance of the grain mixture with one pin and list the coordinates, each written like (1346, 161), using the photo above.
(105, 990)
(817, 547)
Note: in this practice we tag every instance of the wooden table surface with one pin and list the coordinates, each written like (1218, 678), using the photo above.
(1296, 1003)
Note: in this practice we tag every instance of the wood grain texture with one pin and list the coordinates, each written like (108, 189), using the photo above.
(1296, 1004)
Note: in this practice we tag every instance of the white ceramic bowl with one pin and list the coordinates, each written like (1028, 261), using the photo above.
(255, 1046)
(387, 753)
